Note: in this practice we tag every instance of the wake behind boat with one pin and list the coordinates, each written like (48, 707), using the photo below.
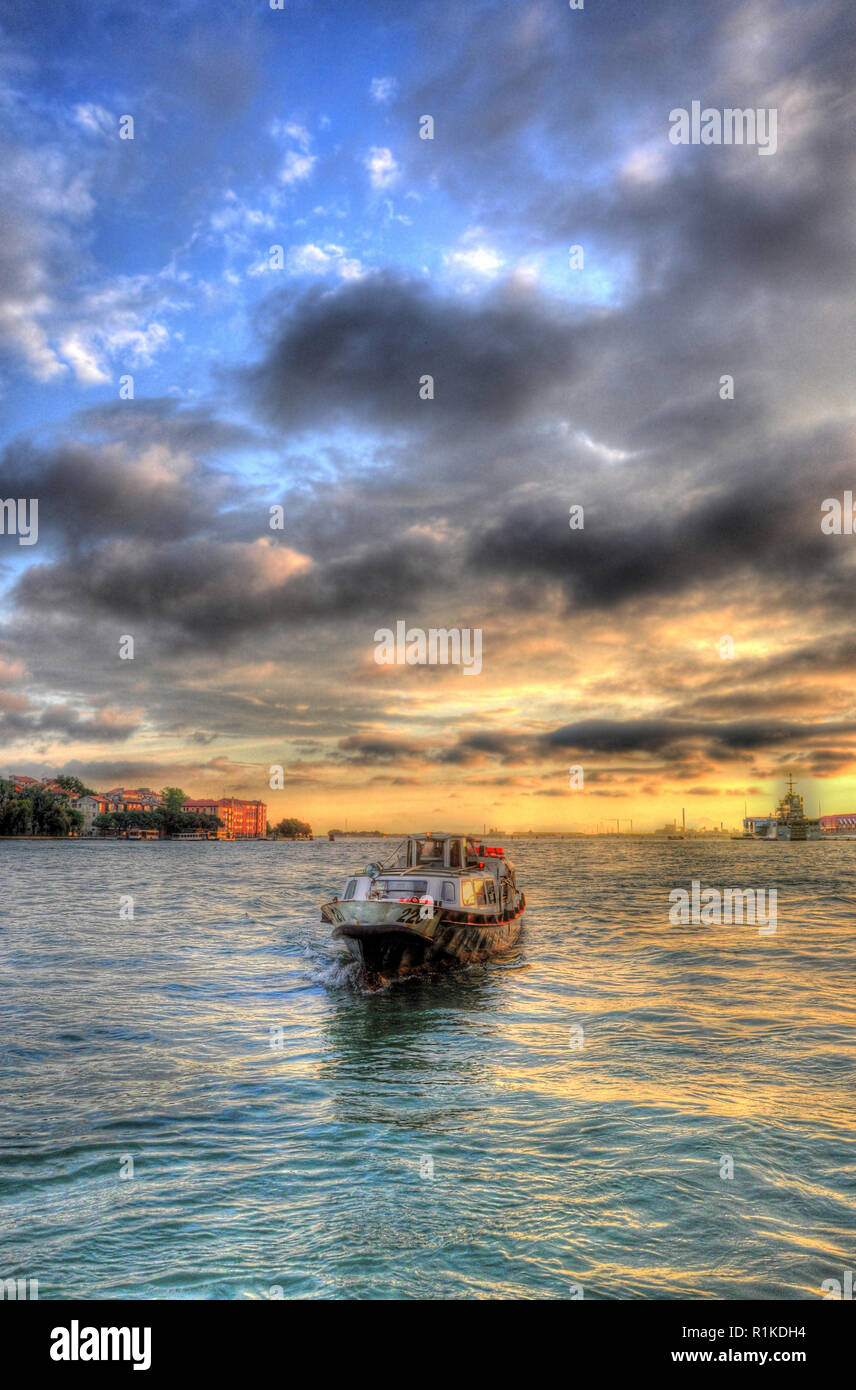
(440, 898)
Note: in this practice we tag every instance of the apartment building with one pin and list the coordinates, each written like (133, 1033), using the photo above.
(242, 820)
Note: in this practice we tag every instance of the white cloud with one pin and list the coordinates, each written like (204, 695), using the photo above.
(298, 163)
(296, 167)
(291, 130)
(383, 89)
(239, 215)
(480, 259)
(644, 166)
(238, 225)
(382, 167)
(95, 119)
(44, 197)
(393, 216)
(129, 345)
(137, 345)
(81, 357)
(604, 451)
(20, 331)
(311, 259)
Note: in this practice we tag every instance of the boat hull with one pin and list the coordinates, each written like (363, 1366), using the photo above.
(389, 941)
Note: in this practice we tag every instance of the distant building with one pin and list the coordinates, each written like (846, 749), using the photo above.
(242, 820)
(90, 807)
(46, 784)
(757, 826)
(22, 784)
(838, 825)
(49, 785)
(132, 799)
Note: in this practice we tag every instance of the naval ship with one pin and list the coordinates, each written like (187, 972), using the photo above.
(788, 822)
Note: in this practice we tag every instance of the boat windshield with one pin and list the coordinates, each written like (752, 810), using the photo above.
(429, 851)
(413, 887)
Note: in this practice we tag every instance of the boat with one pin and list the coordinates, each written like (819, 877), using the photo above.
(788, 822)
(439, 899)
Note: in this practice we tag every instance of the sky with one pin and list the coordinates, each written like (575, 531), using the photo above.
(275, 262)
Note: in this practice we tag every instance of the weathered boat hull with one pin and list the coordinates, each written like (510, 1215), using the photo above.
(389, 941)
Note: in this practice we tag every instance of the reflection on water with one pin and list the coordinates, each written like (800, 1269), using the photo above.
(446, 1136)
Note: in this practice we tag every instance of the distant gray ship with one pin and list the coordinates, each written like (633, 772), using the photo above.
(788, 822)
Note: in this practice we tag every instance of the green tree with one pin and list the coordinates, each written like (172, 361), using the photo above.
(164, 821)
(289, 828)
(35, 811)
(173, 798)
(15, 811)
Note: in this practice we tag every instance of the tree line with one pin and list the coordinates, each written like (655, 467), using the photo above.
(164, 821)
(36, 811)
(290, 829)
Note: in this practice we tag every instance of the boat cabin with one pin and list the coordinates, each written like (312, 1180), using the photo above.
(437, 851)
(454, 870)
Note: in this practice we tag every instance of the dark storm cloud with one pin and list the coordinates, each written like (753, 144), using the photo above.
(357, 355)
(530, 131)
(231, 776)
(546, 68)
(507, 745)
(763, 517)
(165, 420)
(368, 748)
(66, 724)
(216, 592)
(87, 493)
(670, 737)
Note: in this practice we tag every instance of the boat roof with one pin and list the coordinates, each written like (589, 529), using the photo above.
(445, 835)
(436, 871)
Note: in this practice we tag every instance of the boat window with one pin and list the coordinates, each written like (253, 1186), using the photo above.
(429, 851)
(468, 896)
(455, 854)
(479, 886)
(491, 895)
(413, 887)
(448, 892)
(351, 888)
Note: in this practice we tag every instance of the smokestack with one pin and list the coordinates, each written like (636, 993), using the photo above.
(684, 814)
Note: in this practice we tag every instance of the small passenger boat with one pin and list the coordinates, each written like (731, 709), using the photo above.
(440, 898)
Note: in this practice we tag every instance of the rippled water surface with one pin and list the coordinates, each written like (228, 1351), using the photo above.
(304, 1169)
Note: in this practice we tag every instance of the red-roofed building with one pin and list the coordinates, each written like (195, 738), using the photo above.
(242, 820)
(132, 799)
(845, 824)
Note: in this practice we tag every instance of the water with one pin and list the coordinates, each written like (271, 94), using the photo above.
(303, 1171)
